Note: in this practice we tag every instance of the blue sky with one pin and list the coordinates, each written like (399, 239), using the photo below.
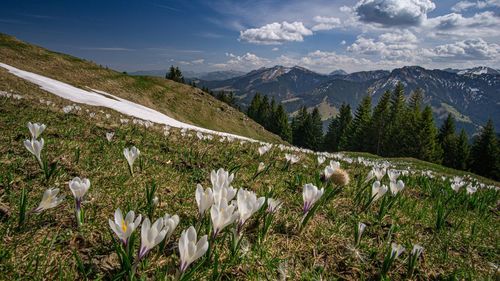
(320, 35)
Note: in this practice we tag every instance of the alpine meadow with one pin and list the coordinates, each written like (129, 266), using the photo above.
(250, 140)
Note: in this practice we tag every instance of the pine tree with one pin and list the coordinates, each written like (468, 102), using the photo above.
(413, 119)
(254, 107)
(378, 125)
(175, 74)
(396, 133)
(264, 112)
(282, 126)
(428, 147)
(485, 155)
(357, 133)
(448, 141)
(337, 129)
(315, 140)
(299, 123)
(462, 152)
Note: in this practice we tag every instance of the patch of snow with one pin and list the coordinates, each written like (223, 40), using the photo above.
(100, 98)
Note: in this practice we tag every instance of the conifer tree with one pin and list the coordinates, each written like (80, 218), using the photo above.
(315, 140)
(299, 123)
(263, 112)
(337, 129)
(282, 126)
(448, 141)
(378, 125)
(357, 133)
(412, 121)
(396, 133)
(428, 148)
(462, 152)
(254, 107)
(485, 153)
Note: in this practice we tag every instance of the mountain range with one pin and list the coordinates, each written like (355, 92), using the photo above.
(207, 76)
(470, 95)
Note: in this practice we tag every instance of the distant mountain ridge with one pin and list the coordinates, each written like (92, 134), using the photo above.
(207, 76)
(471, 95)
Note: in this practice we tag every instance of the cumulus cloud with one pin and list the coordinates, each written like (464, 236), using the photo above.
(466, 50)
(244, 62)
(325, 23)
(400, 46)
(276, 33)
(394, 12)
(454, 20)
(466, 5)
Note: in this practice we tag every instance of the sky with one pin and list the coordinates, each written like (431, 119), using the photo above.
(201, 36)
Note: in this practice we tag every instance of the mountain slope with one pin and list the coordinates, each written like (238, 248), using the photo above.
(179, 101)
(471, 95)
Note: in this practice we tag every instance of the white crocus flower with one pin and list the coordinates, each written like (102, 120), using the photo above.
(49, 200)
(378, 190)
(109, 136)
(151, 235)
(291, 158)
(79, 187)
(311, 194)
(456, 185)
(35, 147)
(189, 248)
(396, 250)
(131, 155)
(321, 159)
(273, 205)
(170, 224)
(263, 149)
(379, 172)
(330, 169)
(222, 215)
(417, 250)
(36, 129)
(261, 167)
(361, 229)
(123, 228)
(393, 175)
(248, 204)
(471, 189)
(221, 178)
(396, 187)
(204, 198)
(370, 176)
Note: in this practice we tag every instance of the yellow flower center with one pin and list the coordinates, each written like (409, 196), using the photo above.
(124, 226)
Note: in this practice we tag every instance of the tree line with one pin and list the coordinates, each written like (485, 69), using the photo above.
(393, 128)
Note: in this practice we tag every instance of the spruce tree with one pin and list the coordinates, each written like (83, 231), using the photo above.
(462, 152)
(396, 134)
(485, 155)
(378, 126)
(282, 126)
(357, 133)
(412, 120)
(263, 112)
(299, 123)
(254, 107)
(428, 147)
(337, 129)
(315, 140)
(448, 141)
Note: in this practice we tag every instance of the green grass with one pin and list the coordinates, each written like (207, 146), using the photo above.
(50, 246)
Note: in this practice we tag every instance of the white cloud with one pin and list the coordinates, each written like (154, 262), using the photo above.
(326, 23)
(343, 42)
(454, 20)
(275, 49)
(394, 12)
(199, 61)
(400, 46)
(244, 62)
(466, 5)
(472, 49)
(276, 33)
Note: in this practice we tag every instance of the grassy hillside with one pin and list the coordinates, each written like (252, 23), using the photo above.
(51, 246)
(182, 102)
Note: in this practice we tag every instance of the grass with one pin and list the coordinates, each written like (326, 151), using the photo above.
(182, 102)
(50, 246)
